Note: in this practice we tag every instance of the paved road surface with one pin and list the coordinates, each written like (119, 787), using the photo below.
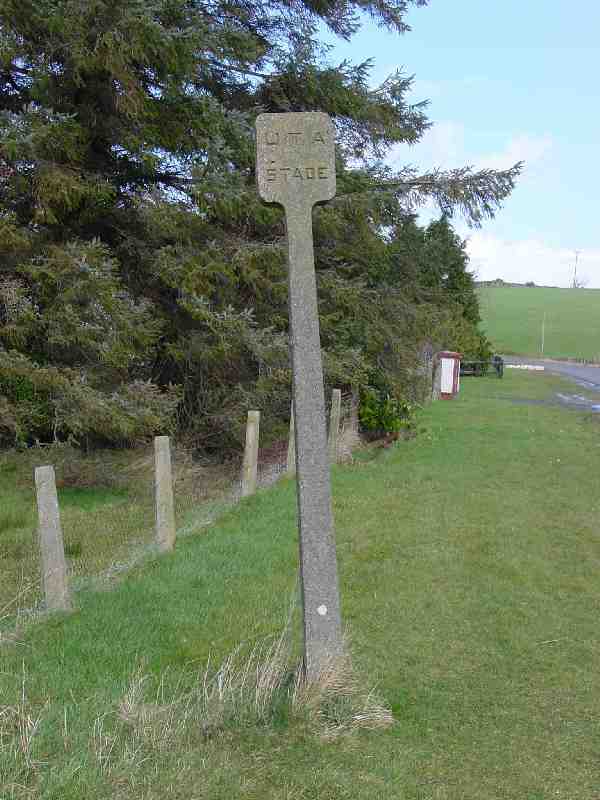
(578, 372)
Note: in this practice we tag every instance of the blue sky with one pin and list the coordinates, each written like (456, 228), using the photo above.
(509, 81)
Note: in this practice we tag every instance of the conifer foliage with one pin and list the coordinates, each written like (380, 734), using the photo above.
(142, 282)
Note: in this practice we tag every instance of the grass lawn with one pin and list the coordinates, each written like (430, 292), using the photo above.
(469, 561)
(512, 319)
(107, 512)
(100, 522)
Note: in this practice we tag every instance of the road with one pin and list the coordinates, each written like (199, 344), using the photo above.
(578, 372)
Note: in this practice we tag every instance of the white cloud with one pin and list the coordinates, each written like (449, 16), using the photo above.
(458, 87)
(533, 150)
(444, 146)
(530, 260)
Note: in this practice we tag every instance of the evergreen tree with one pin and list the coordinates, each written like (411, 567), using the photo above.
(135, 254)
(446, 268)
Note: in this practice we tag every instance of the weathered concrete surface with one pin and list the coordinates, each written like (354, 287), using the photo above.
(54, 566)
(296, 168)
(425, 370)
(291, 453)
(350, 432)
(436, 378)
(163, 494)
(334, 425)
(250, 465)
(296, 163)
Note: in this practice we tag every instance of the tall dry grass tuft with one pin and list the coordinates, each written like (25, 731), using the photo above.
(157, 724)
(12, 612)
(247, 689)
(141, 728)
(337, 703)
(19, 729)
(254, 687)
(103, 743)
(153, 719)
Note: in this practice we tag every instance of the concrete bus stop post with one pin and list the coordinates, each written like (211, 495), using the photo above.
(250, 465)
(163, 494)
(334, 425)
(54, 566)
(296, 168)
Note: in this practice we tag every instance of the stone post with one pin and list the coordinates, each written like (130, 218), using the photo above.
(334, 425)
(163, 494)
(291, 453)
(54, 565)
(349, 430)
(429, 381)
(436, 378)
(425, 369)
(296, 168)
(250, 466)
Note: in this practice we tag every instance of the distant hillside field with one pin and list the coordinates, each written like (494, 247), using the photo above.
(513, 317)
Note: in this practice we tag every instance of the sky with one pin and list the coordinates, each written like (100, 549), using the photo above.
(516, 80)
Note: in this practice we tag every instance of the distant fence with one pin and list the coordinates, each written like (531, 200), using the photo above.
(342, 438)
(533, 367)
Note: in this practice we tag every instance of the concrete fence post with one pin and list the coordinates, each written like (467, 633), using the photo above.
(436, 379)
(54, 565)
(334, 425)
(429, 380)
(349, 431)
(250, 466)
(163, 494)
(291, 453)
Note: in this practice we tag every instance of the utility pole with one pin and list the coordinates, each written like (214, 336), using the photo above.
(575, 282)
(543, 332)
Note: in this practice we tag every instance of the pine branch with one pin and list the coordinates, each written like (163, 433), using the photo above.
(475, 194)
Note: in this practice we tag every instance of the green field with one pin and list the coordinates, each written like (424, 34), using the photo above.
(513, 318)
(469, 562)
